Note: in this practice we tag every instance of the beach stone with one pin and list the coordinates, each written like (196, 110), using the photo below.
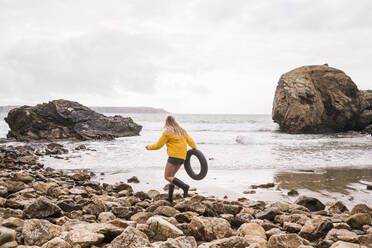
(63, 119)
(180, 242)
(8, 212)
(361, 208)
(152, 193)
(292, 192)
(228, 208)
(252, 229)
(365, 240)
(130, 238)
(83, 238)
(57, 242)
(7, 235)
(317, 98)
(268, 213)
(209, 228)
(162, 229)
(3, 191)
(12, 244)
(37, 232)
(286, 241)
(191, 206)
(23, 177)
(310, 203)
(141, 217)
(197, 198)
(291, 227)
(12, 222)
(315, 228)
(68, 205)
(358, 220)
(42, 207)
(185, 217)
(122, 186)
(341, 225)
(341, 234)
(342, 244)
(133, 179)
(13, 186)
(123, 223)
(234, 241)
(338, 207)
(255, 240)
(105, 217)
(274, 231)
(293, 218)
(166, 211)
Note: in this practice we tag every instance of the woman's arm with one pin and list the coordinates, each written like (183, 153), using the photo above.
(190, 141)
(161, 142)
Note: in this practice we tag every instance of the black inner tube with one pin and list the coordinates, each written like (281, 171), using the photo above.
(203, 164)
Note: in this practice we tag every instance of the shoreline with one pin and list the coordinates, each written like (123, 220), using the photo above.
(46, 207)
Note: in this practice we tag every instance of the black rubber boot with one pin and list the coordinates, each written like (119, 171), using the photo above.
(170, 192)
(182, 185)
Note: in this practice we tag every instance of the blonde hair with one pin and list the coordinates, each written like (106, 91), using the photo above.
(172, 125)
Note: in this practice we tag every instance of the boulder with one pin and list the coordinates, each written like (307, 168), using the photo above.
(342, 244)
(317, 98)
(42, 207)
(358, 220)
(286, 241)
(62, 119)
(180, 242)
(161, 229)
(56, 243)
(209, 228)
(234, 241)
(252, 229)
(338, 208)
(130, 238)
(341, 234)
(37, 232)
(6, 235)
(315, 228)
(310, 203)
(268, 213)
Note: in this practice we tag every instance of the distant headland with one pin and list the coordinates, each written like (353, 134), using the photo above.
(107, 109)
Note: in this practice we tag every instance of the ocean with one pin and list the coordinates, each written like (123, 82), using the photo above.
(230, 142)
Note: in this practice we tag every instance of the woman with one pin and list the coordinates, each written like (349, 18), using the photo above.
(176, 139)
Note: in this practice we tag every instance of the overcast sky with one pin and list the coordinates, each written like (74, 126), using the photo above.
(186, 56)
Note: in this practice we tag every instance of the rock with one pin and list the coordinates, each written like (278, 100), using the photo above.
(274, 231)
(133, 179)
(291, 227)
(162, 229)
(56, 243)
(268, 213)
(12, 244)
(37, 232)
(83, 238)
(6, 235)
(3, 191)
(130, 238)
(190, 206)
(42, 207)
(166, 211)
(310, 203)
(256, 241)
(12, 222)
(13, 186)
(342, 244)
(341, 234)
(62, 119)
(106, 217)
(141, 217)
(358, 220)
(361, 208)
(369, 187)
(265, 186)
(180, 242)
(223, 208)
(23, 177)
(209, 228)
(185, 217)
(152, 193)
(252, 229)
(292, 192)
(337, 208)
(81, 147)
(315, 228)
(365, 240)
(286, 241)
(312, 99)
(235, 241)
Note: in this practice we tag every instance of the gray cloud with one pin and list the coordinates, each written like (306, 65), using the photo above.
(141, 52)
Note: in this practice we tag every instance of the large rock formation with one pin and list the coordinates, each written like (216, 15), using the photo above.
(318, 98)
(62, 119)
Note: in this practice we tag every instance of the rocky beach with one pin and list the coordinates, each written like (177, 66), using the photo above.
(44, 207)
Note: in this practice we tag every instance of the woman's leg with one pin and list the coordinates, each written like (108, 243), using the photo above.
(169, 172)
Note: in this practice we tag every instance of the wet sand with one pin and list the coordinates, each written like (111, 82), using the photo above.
(332, 184)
